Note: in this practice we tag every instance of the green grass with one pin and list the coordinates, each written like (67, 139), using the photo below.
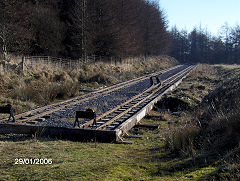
(75, 160)
(143, 160)
(146, 159)
(211, 127)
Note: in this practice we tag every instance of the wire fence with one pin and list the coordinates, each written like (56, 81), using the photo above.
(73, 64)
(29, 62)
(47, 60)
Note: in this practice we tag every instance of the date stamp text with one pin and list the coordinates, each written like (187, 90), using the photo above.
(33, 161)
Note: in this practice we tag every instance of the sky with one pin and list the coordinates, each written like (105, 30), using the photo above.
(210, 14)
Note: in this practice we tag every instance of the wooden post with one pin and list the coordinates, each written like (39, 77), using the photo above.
(48, 60)
(78, 63)
(23, 60)
(60, 62)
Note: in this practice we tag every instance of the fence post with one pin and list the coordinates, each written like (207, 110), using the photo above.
(48, 60)
(23, 60)
(31, 61)
(60, 63)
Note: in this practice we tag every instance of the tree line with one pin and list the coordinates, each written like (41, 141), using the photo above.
(120, 28)
(199, 46)
(78, 28)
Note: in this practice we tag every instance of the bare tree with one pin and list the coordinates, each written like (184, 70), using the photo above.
(4, 5)
(78, 23)
(3, 37)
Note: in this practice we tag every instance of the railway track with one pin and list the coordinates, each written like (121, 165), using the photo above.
(43, 112)
(112, 124)
(112, 119)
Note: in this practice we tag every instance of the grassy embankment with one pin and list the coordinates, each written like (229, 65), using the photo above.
(159, 155)
(205, 139)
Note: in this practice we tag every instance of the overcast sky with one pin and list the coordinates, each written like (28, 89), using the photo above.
(211, 14)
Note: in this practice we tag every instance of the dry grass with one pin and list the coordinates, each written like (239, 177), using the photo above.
(183, 130)
(43, 83)
(183, 139)
(146, 159)
(212, 127)
(204, 138)
(217, 111)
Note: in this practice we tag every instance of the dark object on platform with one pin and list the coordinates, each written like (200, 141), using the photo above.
(88, 114)
(155, 80)
(8, 109)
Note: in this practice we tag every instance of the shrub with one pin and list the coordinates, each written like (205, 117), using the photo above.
(183, 139)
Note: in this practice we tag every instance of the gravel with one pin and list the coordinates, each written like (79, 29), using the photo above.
(101, 104)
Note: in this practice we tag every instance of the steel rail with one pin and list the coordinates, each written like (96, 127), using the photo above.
(115, 108)
(172, 79)
(156, 87)
(111, 131)
(29, 115)
(133, 120)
